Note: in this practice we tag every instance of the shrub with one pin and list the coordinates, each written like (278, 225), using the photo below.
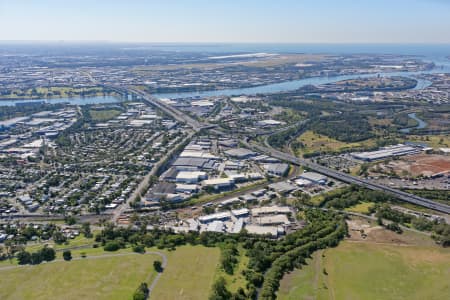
(111, 246)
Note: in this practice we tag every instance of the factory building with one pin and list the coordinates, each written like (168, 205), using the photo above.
(387, 152)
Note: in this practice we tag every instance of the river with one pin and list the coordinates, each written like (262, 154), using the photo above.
(73, 100)
(287, 86)
(421, 124)
(442, 66)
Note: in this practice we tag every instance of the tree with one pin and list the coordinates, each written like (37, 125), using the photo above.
(36, 258)
(24, 257)
(139, 248)
(394, 227)
(59, 237)
(67, 255)
(70, 220)
(142, 292)
(157, 265)
(47, 254)
(86, 230)
(111, 246)
(220, 291)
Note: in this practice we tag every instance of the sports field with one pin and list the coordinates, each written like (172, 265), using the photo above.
(104, 277)
(361, 270)
(189, 274)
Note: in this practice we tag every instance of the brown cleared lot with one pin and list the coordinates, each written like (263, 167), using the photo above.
(419, 165)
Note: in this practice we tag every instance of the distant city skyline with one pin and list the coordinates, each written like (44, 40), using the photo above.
(232, 21)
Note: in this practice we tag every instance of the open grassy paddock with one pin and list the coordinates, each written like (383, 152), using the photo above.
(104, 114)
(105, 277)
(112, 275)
(362, 208)
(189, 274)
(314, 142)
(361, 270)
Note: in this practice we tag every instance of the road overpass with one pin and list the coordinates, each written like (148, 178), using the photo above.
(169, 110)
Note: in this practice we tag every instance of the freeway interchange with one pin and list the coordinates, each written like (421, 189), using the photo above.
(341, 176)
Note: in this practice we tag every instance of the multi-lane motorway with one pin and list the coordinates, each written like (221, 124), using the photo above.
(197, 126)
(354, 180)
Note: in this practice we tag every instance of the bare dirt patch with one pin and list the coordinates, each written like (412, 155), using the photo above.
(418, 165)
(363, 230)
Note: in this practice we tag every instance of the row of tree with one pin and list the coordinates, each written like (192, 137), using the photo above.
(34, 258)
(265, 255)
(329, 237)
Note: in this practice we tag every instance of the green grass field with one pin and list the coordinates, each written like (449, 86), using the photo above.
(314, 142)
(100, 278)
(189, 274)
(104, 115)
(362, 208)
(372, 271)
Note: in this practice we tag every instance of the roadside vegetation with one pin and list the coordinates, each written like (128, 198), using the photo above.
(437, 195)
(378, 204)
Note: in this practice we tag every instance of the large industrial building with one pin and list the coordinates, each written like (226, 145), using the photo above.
(386, 152)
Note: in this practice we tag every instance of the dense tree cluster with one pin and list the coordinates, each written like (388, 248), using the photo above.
(280, 139)
(34, 258)
(345, 127)
(386, 212)
(332, 230)
(439, 195)
(353, 195)
(23, 233)
(395, 227)
(228, 258)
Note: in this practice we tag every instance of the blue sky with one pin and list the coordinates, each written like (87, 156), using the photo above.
(251, 21)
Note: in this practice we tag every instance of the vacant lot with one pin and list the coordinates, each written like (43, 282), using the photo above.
(435, 141)
(418, 165)
(189, 274)
(362, 208)
(361, 270)
(104, 115)
(314, 142)
(106, 277)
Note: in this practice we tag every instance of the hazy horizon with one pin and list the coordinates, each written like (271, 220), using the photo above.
(201, 21)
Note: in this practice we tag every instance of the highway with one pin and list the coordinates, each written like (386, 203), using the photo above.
(341, 176)
(174, 113)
